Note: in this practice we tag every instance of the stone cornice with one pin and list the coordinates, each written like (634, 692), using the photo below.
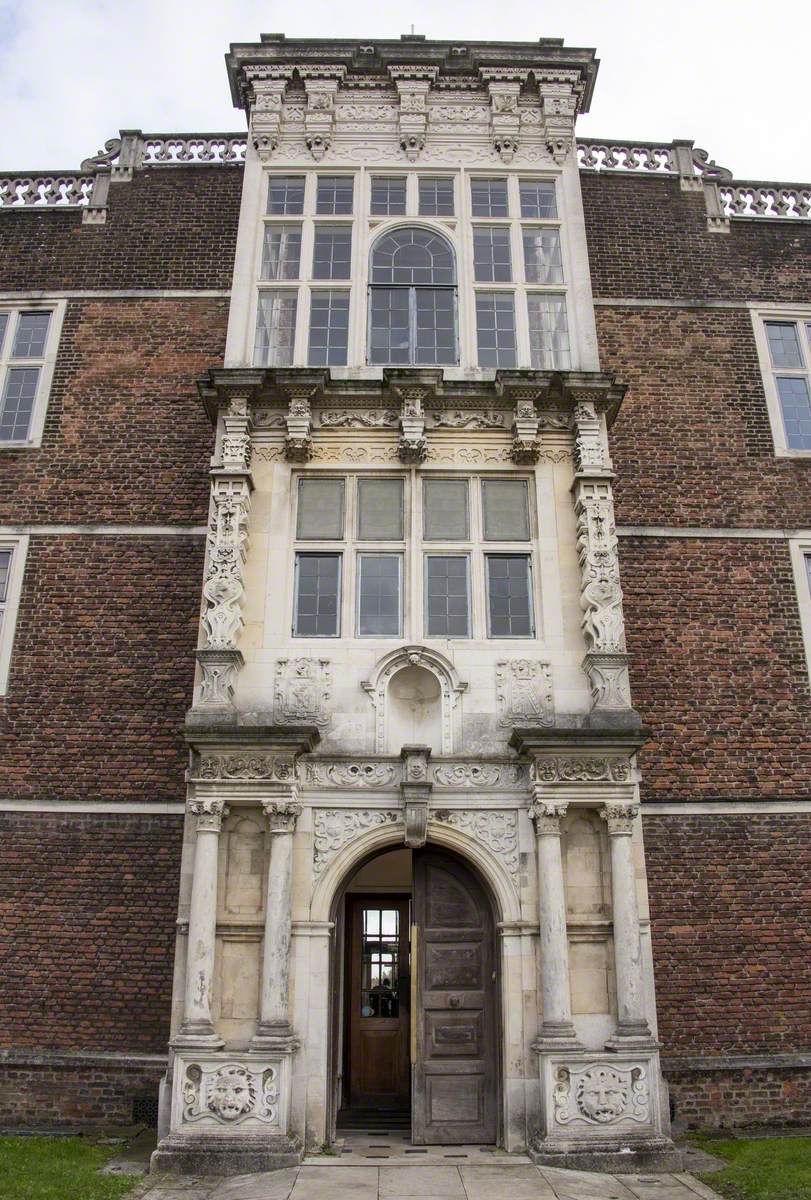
(272, 387)
(449, 60)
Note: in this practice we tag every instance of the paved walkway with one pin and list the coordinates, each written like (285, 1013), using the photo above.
(489, 1181)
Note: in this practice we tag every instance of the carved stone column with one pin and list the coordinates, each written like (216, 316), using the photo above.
(197, 1028)
(557, 1028)
(632, 1024)
(274, 1030)
(606, 662)
(231, 487)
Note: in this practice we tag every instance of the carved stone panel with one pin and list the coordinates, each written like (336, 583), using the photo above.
(334, 828)
(601, 1094)
(524, 692)
(495, 829)
(302, 692)
(230, 1093)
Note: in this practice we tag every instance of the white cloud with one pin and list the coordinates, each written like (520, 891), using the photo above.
(730, 76)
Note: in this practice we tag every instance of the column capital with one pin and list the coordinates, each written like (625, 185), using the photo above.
(282, 814)
(209, 813)
(619, 818)
(546, 814)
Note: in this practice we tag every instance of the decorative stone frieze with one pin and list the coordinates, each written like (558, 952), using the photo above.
(413, 84)
(479, 774)
(351, 774)
(495, 829)
(302, 691)
(524, 692)
(278, 768)
(602, 1094)
(581, 770)
(370, 419)
(415, 790)
(321, 85)
(334, 828)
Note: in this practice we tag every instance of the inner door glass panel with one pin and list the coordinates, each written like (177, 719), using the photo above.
(380, 963)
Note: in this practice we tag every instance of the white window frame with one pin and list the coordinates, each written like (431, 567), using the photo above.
(785, 313)
(19, 551)
(800, 550)
(13, 306)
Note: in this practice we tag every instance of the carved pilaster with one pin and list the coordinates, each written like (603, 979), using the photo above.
(560, 91)
(413, 84)
(321, 84)
(266, 109)
(416, 793)
(504, 86)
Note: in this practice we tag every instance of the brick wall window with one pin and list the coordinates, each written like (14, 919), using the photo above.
(387, 556)
(784, 347)
(12, 564)
(29, 337)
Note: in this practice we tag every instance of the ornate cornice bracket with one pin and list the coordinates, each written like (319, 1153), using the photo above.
(321, 83)
(504, 87)
(299, 392)
(416, 794)
(561, 96)
(267, 100)
(413, 84)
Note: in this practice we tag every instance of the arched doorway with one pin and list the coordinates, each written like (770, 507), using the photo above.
(415, 999)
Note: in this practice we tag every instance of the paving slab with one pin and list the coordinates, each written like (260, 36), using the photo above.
(695, 1185)
(420, 1181)
(657, 1187)
(264, 1185)
(497, 1182)
(329, 1183)
(585, 1185)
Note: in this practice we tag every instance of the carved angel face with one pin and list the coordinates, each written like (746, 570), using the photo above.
(602, 1095)
(232, 1093)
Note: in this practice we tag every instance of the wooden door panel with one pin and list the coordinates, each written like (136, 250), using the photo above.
(455, 1085)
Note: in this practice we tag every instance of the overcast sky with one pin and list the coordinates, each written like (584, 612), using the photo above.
(733, 77)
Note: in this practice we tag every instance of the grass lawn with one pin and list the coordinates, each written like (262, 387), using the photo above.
(760, 1169)
(43, 1168)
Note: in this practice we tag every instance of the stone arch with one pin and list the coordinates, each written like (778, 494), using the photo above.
(388, 835)
(451, 688)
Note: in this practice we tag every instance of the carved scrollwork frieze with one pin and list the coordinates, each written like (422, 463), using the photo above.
(334, 828)
(495, 829)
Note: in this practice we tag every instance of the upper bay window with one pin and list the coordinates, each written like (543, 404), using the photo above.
(406, 268)
(412, 299)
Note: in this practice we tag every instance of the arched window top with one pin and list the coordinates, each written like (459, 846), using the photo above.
(413, 256)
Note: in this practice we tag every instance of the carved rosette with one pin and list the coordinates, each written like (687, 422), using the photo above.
(413, 84)
(619, 819)
(546, 814)
(600, 1094)
(281, 815)
(209, 813)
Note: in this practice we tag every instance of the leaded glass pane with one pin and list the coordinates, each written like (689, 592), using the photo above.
(436, 197)
(549, 333)
(320, 509)
(389, 325)
(796, 406)
(379, 590)
(329, 329)
(435, 325)
(447, 599)
(542, 256)
(5, 571)
(285, 195)
(491, 254)
(488, 197)
(318, 586)
(281, 252)
(31, 335)
(506, 510)
(509, 595)
(19, 395)
(445, 510)
(379, 964)
(538, 198)
(334, 195)
(784, 345)
(495, 329)
(275, 328)
(332, 252)
(380, 510)
(413, 256)
(388, 196)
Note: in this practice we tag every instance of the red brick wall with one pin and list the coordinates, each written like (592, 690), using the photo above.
(647, 238)
(725, 1099)
(45, 1093)
(87, 927)
(731, 926)
(718, 672)
(170, 227)
(102, 669)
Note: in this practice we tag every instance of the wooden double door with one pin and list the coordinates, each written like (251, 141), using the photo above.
(421, 1004)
